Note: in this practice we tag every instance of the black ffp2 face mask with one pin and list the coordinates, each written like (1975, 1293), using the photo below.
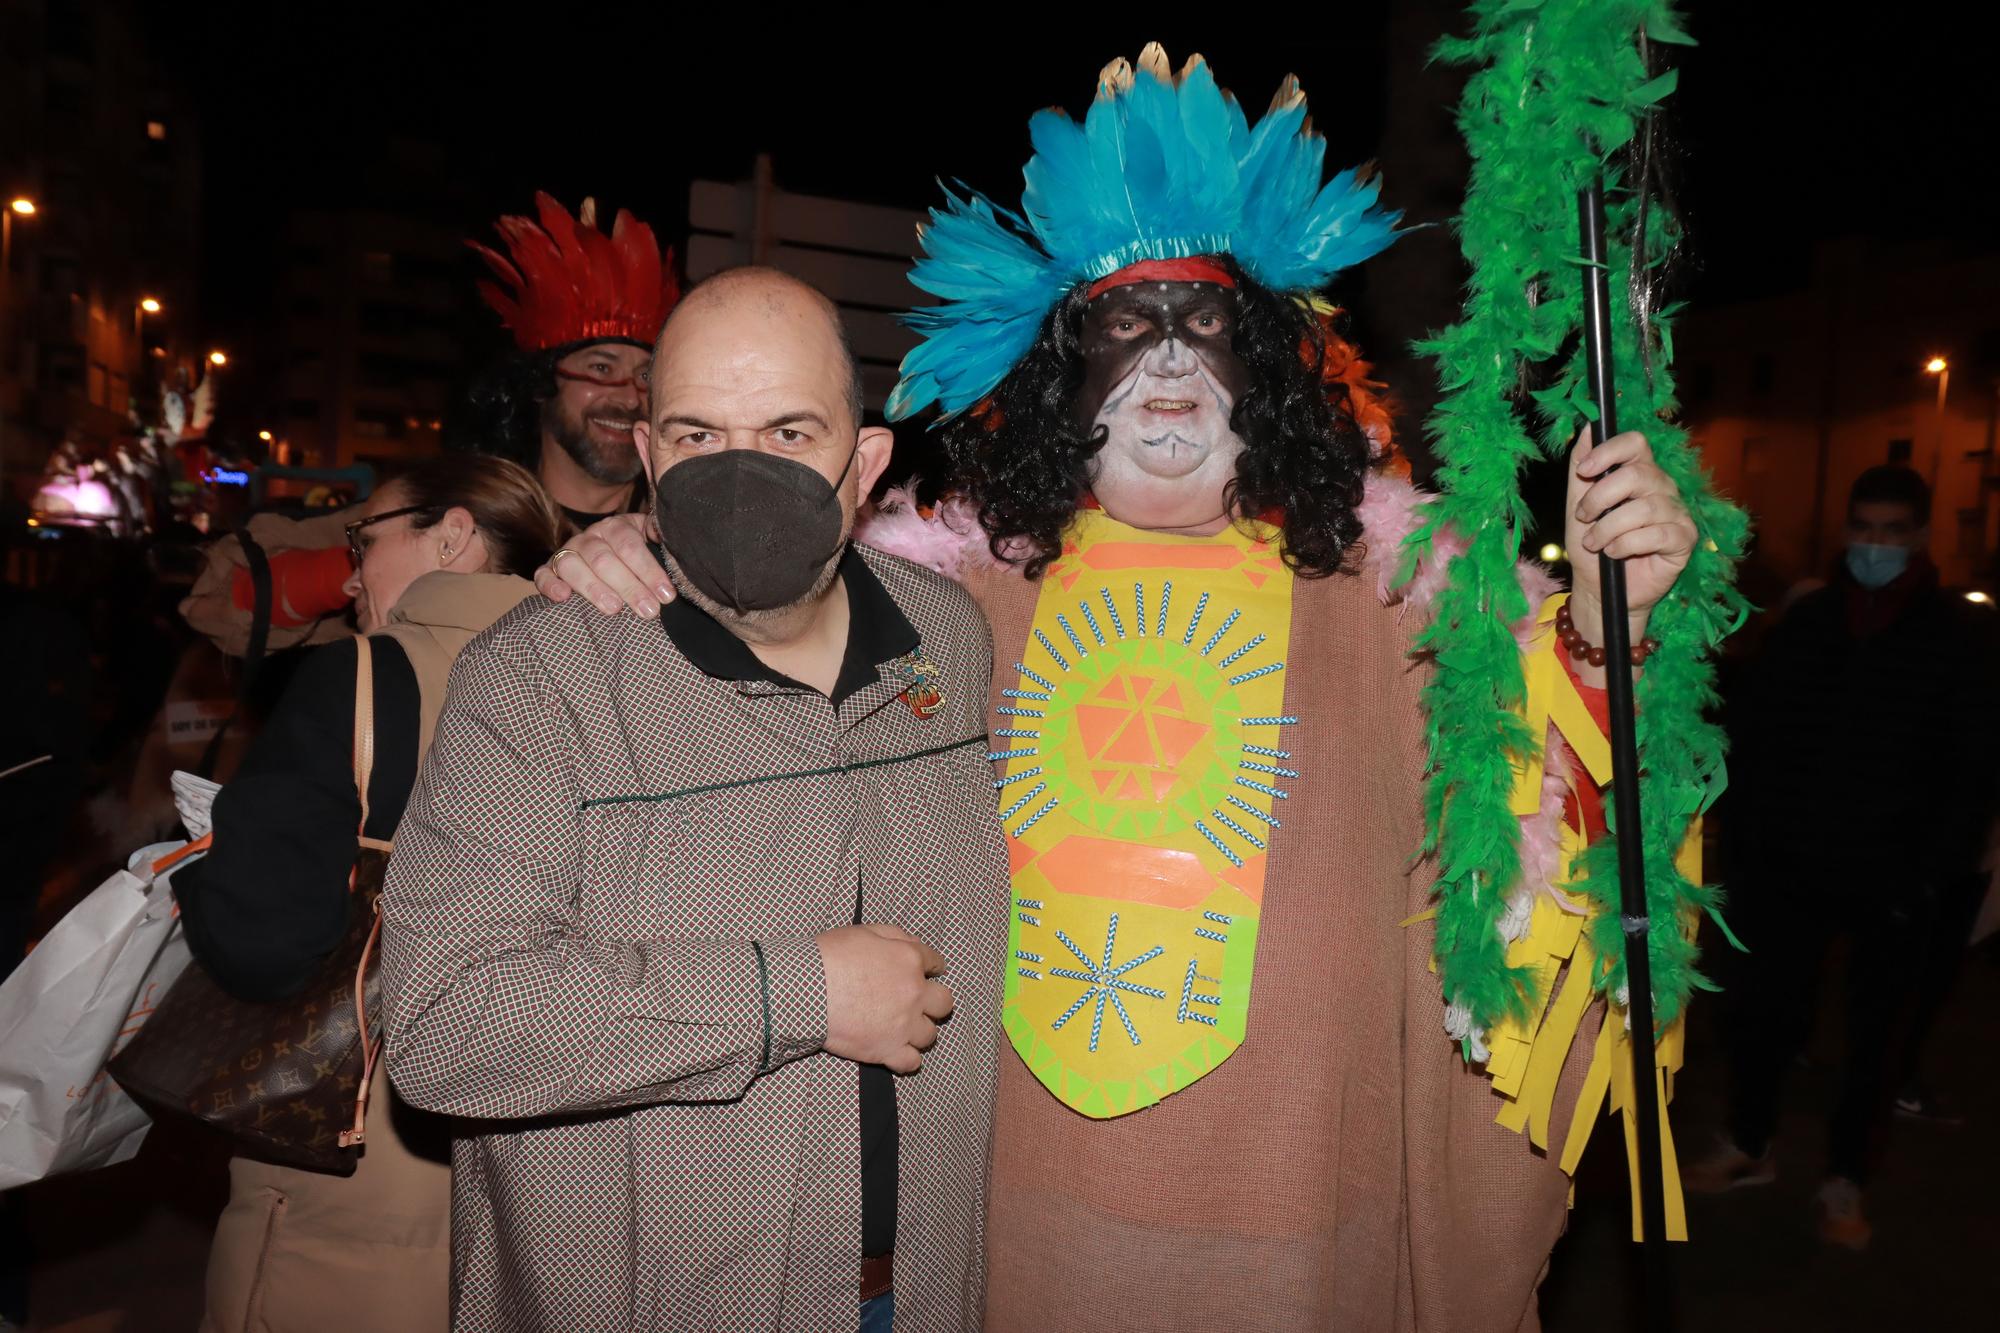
(754, 531)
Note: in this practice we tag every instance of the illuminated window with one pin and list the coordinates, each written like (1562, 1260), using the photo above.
(156, 129)
(379, 424)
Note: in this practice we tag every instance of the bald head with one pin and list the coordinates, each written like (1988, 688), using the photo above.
(755, 360)
(753, 301)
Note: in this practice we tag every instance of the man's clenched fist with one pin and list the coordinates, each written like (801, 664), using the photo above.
(882, 1008)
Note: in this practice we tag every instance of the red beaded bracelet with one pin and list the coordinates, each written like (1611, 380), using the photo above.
(1582, 649)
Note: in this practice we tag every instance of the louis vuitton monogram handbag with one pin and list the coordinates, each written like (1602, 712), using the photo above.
(287, 1080)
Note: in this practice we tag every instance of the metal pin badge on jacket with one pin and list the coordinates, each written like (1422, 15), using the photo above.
(922, 694)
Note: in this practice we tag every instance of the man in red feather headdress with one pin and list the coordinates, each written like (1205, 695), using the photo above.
(583, 307)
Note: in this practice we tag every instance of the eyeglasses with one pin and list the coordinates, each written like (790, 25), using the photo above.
(354, 546)
(638, 380)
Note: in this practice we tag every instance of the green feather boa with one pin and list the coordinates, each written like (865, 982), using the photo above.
(1557, 94)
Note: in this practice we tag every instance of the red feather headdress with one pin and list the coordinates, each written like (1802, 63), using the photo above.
(571, 282)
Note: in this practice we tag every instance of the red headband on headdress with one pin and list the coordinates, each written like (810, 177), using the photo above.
(1194, 269)
(572, 283)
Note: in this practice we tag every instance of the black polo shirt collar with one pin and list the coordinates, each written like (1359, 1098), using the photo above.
(877, 632)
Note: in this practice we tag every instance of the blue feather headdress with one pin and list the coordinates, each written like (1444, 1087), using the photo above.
(1164, 166)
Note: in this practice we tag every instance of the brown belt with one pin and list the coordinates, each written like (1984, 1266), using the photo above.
(877, 1275)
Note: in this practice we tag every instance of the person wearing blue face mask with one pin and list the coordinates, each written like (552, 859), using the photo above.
(1888, 528)
(1863, 765)
(1875, 565)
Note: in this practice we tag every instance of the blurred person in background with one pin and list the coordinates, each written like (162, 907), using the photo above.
(45, 736)
(1863, 759)
(438, 555)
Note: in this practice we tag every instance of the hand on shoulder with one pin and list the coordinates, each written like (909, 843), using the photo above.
(612, 565)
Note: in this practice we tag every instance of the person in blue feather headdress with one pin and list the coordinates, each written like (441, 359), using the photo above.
(1170, 497)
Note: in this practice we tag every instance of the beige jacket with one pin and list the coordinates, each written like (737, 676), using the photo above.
(298, 1251)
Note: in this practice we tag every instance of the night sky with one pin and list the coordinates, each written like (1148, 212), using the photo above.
(1793, 127)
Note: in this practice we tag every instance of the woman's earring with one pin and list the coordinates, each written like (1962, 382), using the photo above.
(444, 554)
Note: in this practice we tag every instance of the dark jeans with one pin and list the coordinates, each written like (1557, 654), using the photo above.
(879, 1315)
(1942, 959)
(1894, 935)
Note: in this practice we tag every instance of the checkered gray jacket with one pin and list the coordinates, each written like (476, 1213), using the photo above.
(593, 846)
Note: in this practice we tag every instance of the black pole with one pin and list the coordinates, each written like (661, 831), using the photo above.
(1625, 783)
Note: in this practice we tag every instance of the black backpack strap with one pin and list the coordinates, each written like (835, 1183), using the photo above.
(260, 607)
(253, 655)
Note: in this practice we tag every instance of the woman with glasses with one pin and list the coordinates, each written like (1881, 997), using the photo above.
(439, 554)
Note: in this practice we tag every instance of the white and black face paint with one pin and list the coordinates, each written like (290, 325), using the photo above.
(1162, 377)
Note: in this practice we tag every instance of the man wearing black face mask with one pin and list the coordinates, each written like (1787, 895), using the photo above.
(625, 914)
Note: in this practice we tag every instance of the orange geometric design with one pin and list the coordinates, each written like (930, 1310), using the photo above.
(1144, 555)
(1133, 746)
(1134, 872)
(1177, 736)
(1100, 726)
(1249, 877)
(1149, 735)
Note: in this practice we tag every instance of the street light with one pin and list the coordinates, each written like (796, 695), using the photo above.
(264, 435)
(1941, 368)
(19, 206)
(148, 305)
(218, 358)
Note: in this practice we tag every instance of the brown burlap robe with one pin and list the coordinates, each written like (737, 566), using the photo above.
(1343, 1169)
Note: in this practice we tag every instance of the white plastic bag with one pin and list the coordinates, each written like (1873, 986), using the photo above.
(69, 1007)
(193, 795)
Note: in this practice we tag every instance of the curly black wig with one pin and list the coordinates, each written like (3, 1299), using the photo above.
(1023, 457)
(500, 412)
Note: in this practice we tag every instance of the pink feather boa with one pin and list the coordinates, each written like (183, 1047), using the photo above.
(951, 542)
